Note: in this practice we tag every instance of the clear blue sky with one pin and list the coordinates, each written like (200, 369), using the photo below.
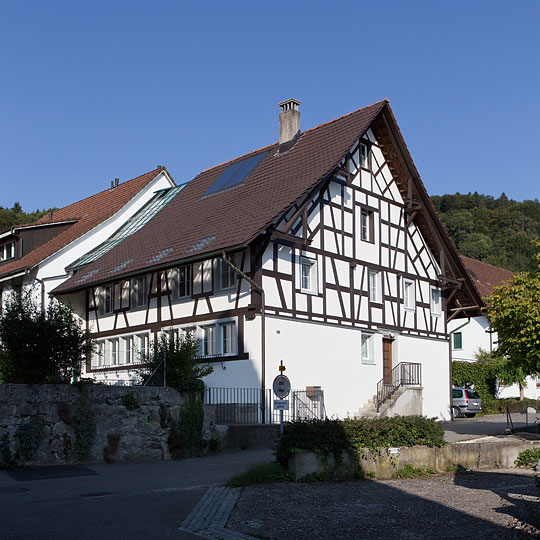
(90, 91)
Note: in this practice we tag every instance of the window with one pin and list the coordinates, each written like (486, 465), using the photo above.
(366, 226)
(364, 155)
(139, 292)
(7, 251)
(375, 286)
(218, 339)
(127, 353)
(409, 295)
(172, 335)
(458, 343)
(228, 338)
(98, 355)
(366, 342)
(436, 303)
(308, 275)
(142, 341)
(113, 344)
(105, 299)
(202, 277)
(208, 340)
(227, 276)
(180, 282)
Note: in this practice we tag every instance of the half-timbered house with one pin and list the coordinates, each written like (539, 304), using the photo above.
(322, 251)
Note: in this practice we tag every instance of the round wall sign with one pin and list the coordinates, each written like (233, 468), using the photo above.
(281, 386)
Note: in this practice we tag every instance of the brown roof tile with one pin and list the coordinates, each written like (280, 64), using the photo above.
(485, 276)
(88, 213)
(236, 216)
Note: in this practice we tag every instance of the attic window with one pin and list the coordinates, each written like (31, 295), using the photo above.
(7, 251)
(235, 174)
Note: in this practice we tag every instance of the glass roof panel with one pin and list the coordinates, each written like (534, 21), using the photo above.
(235, 174)
(133, 224)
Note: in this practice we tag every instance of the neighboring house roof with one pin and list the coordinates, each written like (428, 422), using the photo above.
(85, 215)
(485, 276)
(196, 223)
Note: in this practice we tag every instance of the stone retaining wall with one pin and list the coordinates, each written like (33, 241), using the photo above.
(130, 422)
(487, 453)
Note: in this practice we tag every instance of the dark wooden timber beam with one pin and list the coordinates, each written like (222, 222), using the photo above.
(289, 238)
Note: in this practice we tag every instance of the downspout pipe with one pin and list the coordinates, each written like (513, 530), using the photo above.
(450, 334)
(263, 330)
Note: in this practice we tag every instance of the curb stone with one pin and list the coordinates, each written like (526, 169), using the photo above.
(211, 513)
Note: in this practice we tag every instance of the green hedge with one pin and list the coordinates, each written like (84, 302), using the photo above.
(498, 406)
(331, 437)
(483, 376)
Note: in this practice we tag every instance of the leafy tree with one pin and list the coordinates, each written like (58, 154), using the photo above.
(40, 347)
(180, 356)
(515, 315)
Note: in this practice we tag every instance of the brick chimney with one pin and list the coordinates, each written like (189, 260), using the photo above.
(289, 120)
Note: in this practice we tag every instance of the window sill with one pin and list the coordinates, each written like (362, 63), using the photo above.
(309, 291)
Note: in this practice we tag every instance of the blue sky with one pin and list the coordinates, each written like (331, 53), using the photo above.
(90, 91)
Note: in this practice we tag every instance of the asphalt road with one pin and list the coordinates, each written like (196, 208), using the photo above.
(463, 429)
(135, 501)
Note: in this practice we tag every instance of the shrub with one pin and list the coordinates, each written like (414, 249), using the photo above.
(410, 471)
(185, 437)
(40, 347)
(482, 374)
(331, 437)
(515, 405)
(130, 402)
(84, 427)
(180, 354)
(28, 437)
(528, 457)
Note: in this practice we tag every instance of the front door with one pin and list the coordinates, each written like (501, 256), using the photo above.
(387, 360)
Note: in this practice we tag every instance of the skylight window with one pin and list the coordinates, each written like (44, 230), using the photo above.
(235, 174)
(133, 224)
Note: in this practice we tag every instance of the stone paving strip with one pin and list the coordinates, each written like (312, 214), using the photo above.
(211, 513)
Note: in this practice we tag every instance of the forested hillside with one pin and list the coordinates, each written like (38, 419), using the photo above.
(496, 231)
(16, 216)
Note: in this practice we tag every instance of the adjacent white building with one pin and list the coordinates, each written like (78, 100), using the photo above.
(36, 256)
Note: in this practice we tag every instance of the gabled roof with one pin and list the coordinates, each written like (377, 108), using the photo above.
(485, 276)
(204, 224)
(85, 215)
(196, 224)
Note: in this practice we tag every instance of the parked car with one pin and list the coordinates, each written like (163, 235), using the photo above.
(465, 402)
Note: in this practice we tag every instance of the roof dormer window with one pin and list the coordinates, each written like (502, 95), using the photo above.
(7, 251)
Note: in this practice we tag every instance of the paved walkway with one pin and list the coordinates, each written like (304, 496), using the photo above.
(132, 501)
(463, 429)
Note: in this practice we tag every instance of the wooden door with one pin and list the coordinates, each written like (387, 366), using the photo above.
(387, 360)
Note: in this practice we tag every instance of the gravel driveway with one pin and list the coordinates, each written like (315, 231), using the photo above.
(495, 504)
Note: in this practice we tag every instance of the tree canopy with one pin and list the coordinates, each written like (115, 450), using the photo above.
(16, 215)
(40, 346)
(495, 231)
(515, 315)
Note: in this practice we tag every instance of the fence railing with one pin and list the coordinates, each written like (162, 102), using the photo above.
(404, 374)
(244, 405)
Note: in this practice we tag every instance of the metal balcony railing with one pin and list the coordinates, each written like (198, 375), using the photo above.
(404, 374)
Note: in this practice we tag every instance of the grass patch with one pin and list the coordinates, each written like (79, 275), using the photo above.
(261, 473)
(410, 471)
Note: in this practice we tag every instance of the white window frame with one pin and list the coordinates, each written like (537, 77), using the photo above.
(364, 155)
(375, 286)
(366, 217)
(436, 305)
(142, 346)
(228, 338)
(309, 280)
(227, 278)
(409, 295)
(366, 349)
(208, 340)
(139, 298)
(202, 277)
(105, 300)
(454, 334)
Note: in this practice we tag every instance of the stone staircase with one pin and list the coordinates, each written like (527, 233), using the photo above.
(390, 407)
